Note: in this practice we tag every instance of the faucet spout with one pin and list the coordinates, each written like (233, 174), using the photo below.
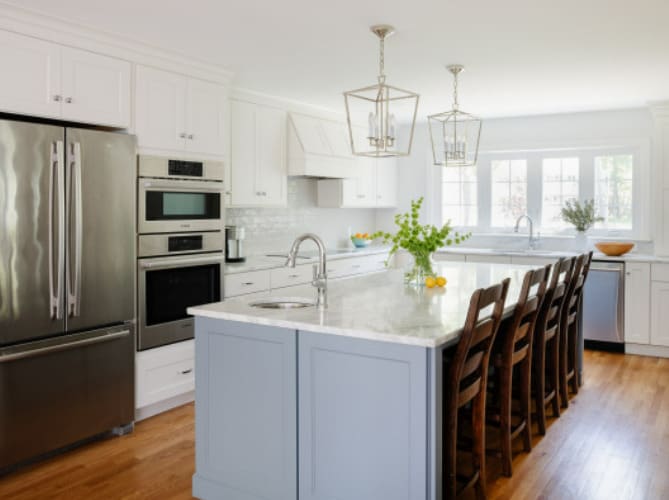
(532, 240)
(320, 279)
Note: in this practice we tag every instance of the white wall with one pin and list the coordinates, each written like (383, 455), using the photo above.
(596, 129)
(274, 229)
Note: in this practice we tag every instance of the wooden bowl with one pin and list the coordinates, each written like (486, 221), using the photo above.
(614, 248)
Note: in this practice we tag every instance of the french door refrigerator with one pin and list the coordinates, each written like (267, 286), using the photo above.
(67, 258)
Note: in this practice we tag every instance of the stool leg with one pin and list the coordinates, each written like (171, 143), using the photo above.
(540, 387)
(553, 369)
(505, 419)
(563, 355)
(525, 403)
(478, 449)
(573, 337)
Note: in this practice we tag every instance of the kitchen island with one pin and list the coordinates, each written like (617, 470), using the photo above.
(336, 403)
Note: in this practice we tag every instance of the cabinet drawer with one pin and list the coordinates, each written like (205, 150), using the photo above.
(659, 272)
(243, 283)
(287, 276)
(165, 372)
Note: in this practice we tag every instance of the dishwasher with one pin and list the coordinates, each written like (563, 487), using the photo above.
(604, 306)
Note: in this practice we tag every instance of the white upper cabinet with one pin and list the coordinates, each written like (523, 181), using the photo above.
(96, 89)
(177, 113)
(387, 175)
(258, 155)
(46, 79)
(205, 117)
(30, 76)
(360, 191)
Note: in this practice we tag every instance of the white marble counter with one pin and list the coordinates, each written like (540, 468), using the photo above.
(379, 306)
(262, 262)
(629, 257)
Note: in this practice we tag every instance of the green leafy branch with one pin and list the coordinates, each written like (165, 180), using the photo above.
(582, 217)
(419, 240)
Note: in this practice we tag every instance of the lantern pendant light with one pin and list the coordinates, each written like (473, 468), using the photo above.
(455, 134)
(372, 112)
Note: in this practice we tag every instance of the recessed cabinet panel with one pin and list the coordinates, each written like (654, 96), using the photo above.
(637, 303)
(205, 117)
(96, 89)
(386, 182)
(160, 109)
(659, 328)
(243, 152)
(271, 171)
(30, 76)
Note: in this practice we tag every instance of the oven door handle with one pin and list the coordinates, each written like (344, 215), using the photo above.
(180, 186)
(172, 263)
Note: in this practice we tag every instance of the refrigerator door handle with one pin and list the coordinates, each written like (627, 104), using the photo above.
(57, 194)
(74, 291)
(32, 352)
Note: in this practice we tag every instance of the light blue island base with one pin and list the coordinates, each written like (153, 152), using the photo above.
(281, 412)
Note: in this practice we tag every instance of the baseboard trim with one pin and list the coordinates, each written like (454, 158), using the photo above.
(163, 406)
(599, 345)
(656, 351)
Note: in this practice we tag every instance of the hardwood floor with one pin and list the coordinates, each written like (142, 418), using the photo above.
(611, 443)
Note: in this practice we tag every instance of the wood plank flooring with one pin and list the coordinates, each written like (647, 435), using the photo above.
(612, 443)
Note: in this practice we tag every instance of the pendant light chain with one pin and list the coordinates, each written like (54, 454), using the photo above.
(455, 92)
(382, 59)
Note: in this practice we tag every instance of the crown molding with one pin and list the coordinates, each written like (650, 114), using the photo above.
(28, 22)
(286, 104)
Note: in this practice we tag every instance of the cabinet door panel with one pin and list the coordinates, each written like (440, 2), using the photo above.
(637, 303)
(659, 329)
(31, 76)
(386, 182)
(271, 170)
(243, 153)
(160, 109)
(96, 88)
(205, 117)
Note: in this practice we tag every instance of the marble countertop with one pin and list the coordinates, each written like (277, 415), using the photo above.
(380, 306)
(277, 259)
(629, 257)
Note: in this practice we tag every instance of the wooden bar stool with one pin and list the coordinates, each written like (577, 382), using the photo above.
(466, 373)
(546, 349)
(569, 324)
(512, 354)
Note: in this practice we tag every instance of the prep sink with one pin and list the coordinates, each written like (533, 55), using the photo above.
(283, 303)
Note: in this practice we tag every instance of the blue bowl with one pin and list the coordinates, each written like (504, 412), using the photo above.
(360, 242)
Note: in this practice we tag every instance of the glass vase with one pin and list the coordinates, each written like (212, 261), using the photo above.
(422, 268)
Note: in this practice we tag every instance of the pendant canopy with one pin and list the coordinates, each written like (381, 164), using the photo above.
(455, 134)
(373, 112)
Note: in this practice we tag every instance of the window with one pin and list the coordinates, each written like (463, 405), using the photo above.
(508, 191)
(613, 191)
(459, 197)
(560, 183)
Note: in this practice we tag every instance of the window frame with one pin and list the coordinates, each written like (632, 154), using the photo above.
(641, 188)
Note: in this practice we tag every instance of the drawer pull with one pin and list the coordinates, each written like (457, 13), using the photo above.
(294, 276)
(248, 283)
(186, 372)
(356, 266)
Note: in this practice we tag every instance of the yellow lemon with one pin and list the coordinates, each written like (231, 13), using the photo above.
(430, 282)
(441, 281)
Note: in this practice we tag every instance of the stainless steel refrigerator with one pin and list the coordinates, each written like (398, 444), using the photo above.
(67, 281)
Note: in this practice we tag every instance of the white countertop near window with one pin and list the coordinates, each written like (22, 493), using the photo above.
(278, 258)
(380, 306)
(629, 257)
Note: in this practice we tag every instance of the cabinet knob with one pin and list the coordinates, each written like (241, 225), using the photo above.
(191, 136)
(182, 135)
(228, 192)
(361, 196)
(68, 100)
(57, 98)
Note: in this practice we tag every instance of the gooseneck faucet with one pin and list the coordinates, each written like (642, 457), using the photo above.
(532, 240)
(320, 278)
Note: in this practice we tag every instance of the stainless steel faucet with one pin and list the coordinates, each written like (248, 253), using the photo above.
(532, 240)
(320, 278)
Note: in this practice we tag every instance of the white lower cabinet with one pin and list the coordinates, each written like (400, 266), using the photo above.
(245, 283)
(659, 324)
(637, 303)
(498, 259)
(163, 373)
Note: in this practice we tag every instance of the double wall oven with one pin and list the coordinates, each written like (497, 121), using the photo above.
(180, 245)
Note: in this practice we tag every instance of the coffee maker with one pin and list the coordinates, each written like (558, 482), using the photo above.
(234, 244)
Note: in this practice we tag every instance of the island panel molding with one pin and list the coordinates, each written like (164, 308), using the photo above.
(362, 419)
(245, 411)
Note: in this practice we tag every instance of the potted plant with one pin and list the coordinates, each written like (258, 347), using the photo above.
(582, 217)
(419, 240)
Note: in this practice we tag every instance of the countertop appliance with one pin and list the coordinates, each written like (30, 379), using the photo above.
(178, 195)
(181, 245)
(67, 280)
(234, 244)
(603, 306)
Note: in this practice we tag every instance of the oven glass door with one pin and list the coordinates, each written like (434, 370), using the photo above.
(186, 205)
(169, 292)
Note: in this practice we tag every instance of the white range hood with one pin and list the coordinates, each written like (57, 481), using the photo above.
(319, 148)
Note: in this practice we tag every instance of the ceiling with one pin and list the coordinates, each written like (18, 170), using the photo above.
(521, 56)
